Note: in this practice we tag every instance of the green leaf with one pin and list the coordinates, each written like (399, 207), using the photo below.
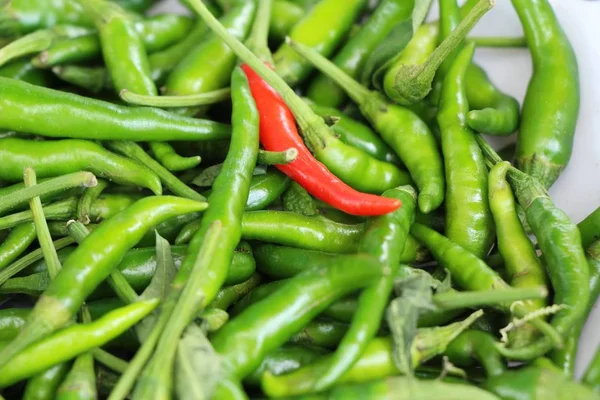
(197, 367)
(414, 297)
(160, 284)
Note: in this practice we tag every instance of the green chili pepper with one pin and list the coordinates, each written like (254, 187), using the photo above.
(265, 189)
(28, 108)
(92, 79)
(257, 294)
(209, 65)
(325, 334)
(589, 228)
(560, 242)
(384, 238)
(80, 382)
(536, 383)
(23, 70)
(16, 243)
(11, 322)
(84, 206)
(352, 57)
(284, 16)
(356, 134)
(376, 362)
(122, 48)
(272, 319)
(471, 273)
(156, 33)
(521, 263)
(552, 101)
(134, 151)
(43, 386)
(399, 127)
(232, 294)
(296, 230)
(54, 158)
(74, 340)
(565, 358)
(474, 345)
(18, 17)
(168, 157)
(469, 221)
(90, 265)
(322, 29)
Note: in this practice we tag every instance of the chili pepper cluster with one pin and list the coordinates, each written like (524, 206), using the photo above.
(285, 199)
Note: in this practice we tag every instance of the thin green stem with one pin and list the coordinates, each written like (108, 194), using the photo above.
(60, 210)
(32, 43)
(277, 157)
(200, 99)
(31, 258)
(357, 92)
(455, 300)
(134, 151)
(110, 361)
(47, 188)
(84, 206)
(305, 117)
(41, 227)
(413, 82)
(258, 40)
(494, 41)
(116, 280)
(158, 373)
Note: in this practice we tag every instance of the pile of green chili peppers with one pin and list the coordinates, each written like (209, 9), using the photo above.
(165, 233)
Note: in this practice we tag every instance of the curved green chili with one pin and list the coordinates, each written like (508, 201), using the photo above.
(16, 243)
(55, 158)
(29, 108)
(551, 104)
(43, 386)
(474, 345)
(74, 340)
(469, 221)
(168, 157)
(322, 29)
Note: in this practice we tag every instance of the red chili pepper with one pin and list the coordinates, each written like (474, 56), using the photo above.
(278, 132)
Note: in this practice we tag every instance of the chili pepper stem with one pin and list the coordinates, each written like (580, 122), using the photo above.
(31, 43)
(454, 300)
(304, 115)
(355, 90)
(259, 35)
(213, 97)
(41, 226)
(277, 157)
(494, 41)
(413, 82)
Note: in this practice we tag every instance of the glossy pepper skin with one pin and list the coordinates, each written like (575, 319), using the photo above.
(322, 29)
(73, 341)
(61, 157)
(29, 108)
(276, 117)
(265, 189)
(43, 386)
(209, 65)
(565, 358)
(91, 264)
(22, 70)
(122, 48)
(384, 238)
(267, 324)
(522, 265)
(352, 57)
(16, 243)
(559, 239)
(551, 104)
(469, 221)
(589, 228)
(536, 382)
